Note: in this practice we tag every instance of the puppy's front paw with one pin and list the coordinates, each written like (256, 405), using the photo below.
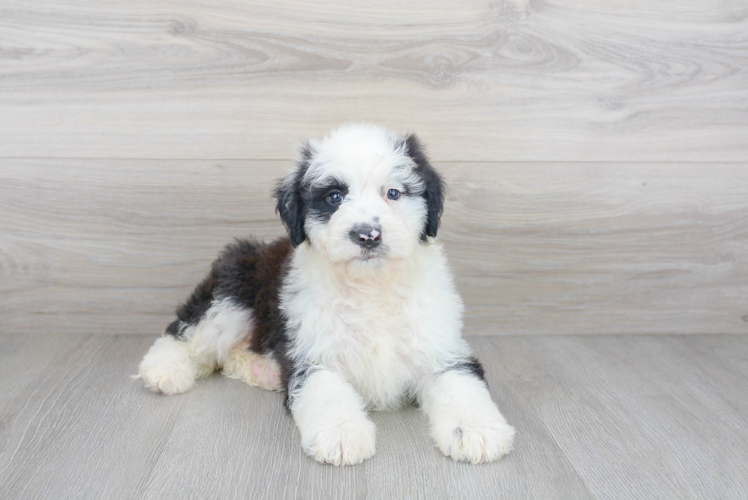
(345, 443)
(473, 440)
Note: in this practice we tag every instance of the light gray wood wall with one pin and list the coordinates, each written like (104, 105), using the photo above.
(596, 152)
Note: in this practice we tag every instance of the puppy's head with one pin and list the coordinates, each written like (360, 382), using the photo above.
(361, 195)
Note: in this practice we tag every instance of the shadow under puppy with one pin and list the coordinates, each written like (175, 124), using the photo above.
(355, 310)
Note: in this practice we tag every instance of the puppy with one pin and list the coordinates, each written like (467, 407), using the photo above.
(355, 310)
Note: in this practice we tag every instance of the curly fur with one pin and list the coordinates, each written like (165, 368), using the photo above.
(341, 324)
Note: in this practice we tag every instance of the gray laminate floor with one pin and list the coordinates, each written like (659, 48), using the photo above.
(596, 417)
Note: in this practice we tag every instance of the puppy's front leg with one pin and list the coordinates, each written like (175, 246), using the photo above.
(332, 419)
(465, 423)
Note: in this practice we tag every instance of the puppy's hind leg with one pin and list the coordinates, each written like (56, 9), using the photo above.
(254, 369)
(189, 352)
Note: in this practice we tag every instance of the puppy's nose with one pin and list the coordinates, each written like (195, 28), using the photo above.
(367, 235)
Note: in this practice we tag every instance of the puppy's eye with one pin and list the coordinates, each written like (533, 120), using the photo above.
(393, 194)
(335, 198)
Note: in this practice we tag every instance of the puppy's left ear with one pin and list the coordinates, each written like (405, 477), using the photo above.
(290, 205)
(434, 193)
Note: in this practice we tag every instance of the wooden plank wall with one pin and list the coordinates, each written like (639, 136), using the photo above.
(596, 152)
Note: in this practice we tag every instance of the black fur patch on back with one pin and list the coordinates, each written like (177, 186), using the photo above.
(435, 188)
(198, 303)
(251, 275)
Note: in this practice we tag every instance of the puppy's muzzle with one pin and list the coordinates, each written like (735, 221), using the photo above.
(367, 235)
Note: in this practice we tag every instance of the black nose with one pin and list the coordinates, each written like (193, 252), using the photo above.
(367, 235)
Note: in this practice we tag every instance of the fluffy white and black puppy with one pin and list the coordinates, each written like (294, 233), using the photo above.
(357, 310)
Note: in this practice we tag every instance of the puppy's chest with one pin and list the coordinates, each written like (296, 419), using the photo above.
(379, 352)
(375, 341)
(370, 328)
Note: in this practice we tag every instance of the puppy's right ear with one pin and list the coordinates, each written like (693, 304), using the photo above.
(290, 205)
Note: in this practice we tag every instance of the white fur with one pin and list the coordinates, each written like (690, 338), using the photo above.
(172, 366)
(252, 368)
(370, 161)
(167, 367)
(465, 423)
(388, 326)
(383, 331)
(331, 419)
(223, 326)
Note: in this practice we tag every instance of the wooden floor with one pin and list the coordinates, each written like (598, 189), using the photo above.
(596, 417)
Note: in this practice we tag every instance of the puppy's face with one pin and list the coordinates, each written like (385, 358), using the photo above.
(362, 195)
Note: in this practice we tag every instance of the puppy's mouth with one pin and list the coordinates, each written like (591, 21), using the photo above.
(372, 255)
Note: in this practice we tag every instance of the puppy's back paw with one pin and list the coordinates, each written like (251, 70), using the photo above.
(167, 368)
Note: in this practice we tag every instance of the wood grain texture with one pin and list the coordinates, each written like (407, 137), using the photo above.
(479, 80)
(645, 407)
(110, 246)
(597, 417)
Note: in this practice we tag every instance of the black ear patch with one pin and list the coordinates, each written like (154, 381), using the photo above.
(434, 193)
(291, 207)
